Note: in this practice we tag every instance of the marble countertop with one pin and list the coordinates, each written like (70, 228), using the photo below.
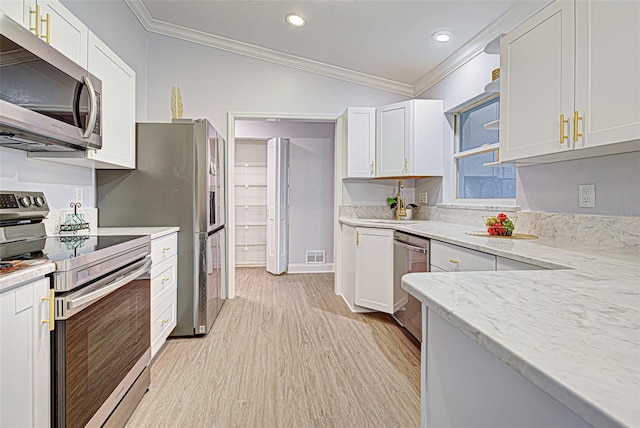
(155, 232)
(573, 330)
(24, 271)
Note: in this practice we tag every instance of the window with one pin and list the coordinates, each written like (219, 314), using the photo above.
(477, 146)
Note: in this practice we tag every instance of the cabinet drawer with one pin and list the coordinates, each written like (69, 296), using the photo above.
(163, 321)
(164, 247)
(454, 258)
(163, 277)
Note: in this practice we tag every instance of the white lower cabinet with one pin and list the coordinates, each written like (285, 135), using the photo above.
(453, 258)
(464, 385)
(25, 370)
(164, 289)
(374, 288)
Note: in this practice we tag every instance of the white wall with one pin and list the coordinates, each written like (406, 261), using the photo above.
(214, 82)
(554, 187)
(549, 187)
(311, 187)
(58, 182)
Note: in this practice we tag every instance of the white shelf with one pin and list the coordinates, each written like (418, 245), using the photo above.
(493, 87)
(493, 125)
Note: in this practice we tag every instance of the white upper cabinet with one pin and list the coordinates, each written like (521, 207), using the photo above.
(607, 86)
(361, 142)
(53, 23)
(64, 31)
(118, 107)
(18, 10)
(409, 139)
(536, 75)
(569, 81)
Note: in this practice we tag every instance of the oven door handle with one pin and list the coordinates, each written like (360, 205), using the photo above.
(410, 247)
(104, 287)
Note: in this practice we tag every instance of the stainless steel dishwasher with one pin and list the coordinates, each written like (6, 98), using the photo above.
(410, 255)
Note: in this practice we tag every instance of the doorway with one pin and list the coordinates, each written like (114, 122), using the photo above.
(312, 191)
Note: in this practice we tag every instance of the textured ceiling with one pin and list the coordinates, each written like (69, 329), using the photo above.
(387, 39)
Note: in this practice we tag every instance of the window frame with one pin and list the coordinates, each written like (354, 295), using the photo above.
(486, 148)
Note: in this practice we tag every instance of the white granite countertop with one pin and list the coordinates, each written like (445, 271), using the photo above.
(155, 232)
(24, 271)
(574, 331)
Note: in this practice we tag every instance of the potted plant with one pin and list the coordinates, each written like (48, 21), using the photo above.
(393, 202)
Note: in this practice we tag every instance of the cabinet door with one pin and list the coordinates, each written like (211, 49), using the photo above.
(607, 68)
(374, 269)
(118, 106)
(536, 84)
(348, 265)
(24, 365)
(18, 10)
(392, 140)
(361, 141)
(66, 32)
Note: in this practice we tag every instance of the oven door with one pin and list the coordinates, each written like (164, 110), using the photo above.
(102, 341)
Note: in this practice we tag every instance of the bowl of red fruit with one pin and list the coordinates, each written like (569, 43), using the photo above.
(500, 225)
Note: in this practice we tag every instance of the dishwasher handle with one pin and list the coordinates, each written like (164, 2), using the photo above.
(409, 246)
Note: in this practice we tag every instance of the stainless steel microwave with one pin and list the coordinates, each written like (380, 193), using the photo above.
(47, 101)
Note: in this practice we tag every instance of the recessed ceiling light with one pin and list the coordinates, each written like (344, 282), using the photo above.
(295, 20)
(442, 36)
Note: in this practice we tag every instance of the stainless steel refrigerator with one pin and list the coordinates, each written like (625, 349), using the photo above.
(178, 181)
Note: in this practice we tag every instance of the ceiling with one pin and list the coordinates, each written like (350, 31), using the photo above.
(382, 44)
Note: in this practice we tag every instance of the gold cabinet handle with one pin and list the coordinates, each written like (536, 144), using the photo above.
(47, 34)
(454, 261)
(52, 312)
(165, 321)
(563, 136)
(576, 118)
(165, 249)
(371, 168)
(406, 165)
(36, 16)
(165, 280)
(357, 238)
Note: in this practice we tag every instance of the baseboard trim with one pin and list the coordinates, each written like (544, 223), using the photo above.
(310, 268)
(356, 309)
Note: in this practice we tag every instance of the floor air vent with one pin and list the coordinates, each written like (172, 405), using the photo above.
(315, 257)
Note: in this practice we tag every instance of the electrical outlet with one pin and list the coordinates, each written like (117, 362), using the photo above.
(422, 198)
(587, 196)
(79, 195)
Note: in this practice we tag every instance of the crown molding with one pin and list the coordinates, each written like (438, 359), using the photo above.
(504, 24)
(507, 22)
(253, 51)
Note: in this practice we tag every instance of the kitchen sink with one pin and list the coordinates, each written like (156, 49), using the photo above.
(389, 221)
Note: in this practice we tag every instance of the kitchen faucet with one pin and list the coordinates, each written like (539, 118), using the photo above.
(401, 207)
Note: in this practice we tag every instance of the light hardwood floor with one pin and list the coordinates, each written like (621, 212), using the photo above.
(286, 352)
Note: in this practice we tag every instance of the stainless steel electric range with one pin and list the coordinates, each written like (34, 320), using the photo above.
(101, 337)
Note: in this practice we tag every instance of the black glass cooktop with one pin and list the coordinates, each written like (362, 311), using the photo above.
(59, 248)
